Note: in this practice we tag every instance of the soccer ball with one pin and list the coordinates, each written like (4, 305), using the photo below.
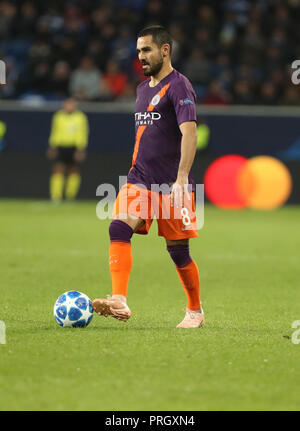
(73, 308)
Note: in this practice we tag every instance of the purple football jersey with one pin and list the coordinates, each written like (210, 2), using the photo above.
(158, 114)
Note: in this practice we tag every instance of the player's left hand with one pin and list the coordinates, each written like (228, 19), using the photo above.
(179, 188)
(79, 155)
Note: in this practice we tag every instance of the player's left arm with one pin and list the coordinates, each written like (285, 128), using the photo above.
(188, 151)
(183, 99)
(54, 136)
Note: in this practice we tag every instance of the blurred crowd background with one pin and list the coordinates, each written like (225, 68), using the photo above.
(233, 51)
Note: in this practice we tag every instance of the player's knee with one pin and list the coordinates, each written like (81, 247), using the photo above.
(73, 169)
(120, 231)
(58, 168)
(180, 254)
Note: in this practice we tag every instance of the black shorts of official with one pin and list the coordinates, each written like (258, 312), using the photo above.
(66, 155)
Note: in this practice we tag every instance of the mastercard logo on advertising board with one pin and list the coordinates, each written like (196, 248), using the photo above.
(235, 182)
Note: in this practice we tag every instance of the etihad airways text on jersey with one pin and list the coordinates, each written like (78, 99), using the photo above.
(146, 118)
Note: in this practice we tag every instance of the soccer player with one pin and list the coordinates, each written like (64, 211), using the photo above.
(164, 151)
(67, 143)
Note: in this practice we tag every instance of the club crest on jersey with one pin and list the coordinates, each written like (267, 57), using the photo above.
(155, 100)
(185, 101)
(146, 118)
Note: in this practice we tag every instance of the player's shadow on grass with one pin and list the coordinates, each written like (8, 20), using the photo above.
(109, 328)
(208, 329)
(105, 327)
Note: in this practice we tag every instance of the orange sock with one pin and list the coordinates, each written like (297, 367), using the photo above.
(189, 277)
(120, 264)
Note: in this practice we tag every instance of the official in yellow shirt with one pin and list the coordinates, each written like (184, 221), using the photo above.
(67, 144)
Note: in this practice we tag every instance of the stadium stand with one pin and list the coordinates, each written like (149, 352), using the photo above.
(233, 51)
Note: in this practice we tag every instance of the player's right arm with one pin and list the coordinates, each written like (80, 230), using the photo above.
(54, 134)
(54, 137)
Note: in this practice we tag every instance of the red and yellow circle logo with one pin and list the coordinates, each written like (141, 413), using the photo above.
(235, 182)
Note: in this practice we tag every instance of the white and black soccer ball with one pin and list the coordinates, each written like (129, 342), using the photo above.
(73, 308)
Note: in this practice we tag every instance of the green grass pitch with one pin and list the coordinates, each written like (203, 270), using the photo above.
(242, 359)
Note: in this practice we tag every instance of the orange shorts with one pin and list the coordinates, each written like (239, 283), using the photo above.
(173, 223)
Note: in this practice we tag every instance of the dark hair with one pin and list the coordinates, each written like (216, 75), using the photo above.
(159, 34)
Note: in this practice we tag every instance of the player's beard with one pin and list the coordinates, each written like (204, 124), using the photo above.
(155, 68)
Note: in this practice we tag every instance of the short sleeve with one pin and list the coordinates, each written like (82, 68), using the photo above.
(183, 98)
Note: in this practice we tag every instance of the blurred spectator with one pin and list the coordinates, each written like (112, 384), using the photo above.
(257, 15)
(75, 23)
(252, 46)
(228, 32)
(272, 60)
(226, 79)
(291, 96)
(67, 50)
(239, 8)
(100, 16)
(221, 64)
(242, 93)
(204, 42)
(197, 68)
(39, 51)
(129, 93)
(124, 48)
(107, 33)
(276, 77)
(216, 95)
(181, 13)
(26, 20)
(154, 13)
(129, 17)
(99, 51)
(280, 41)
(268, 94)
(247, 74)
(50, 21)
(85, 82)
(281, 17)
(115, 80)
(59, 81)
(206, 19)
(8, 12)
(180, 43)
(40, 78)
